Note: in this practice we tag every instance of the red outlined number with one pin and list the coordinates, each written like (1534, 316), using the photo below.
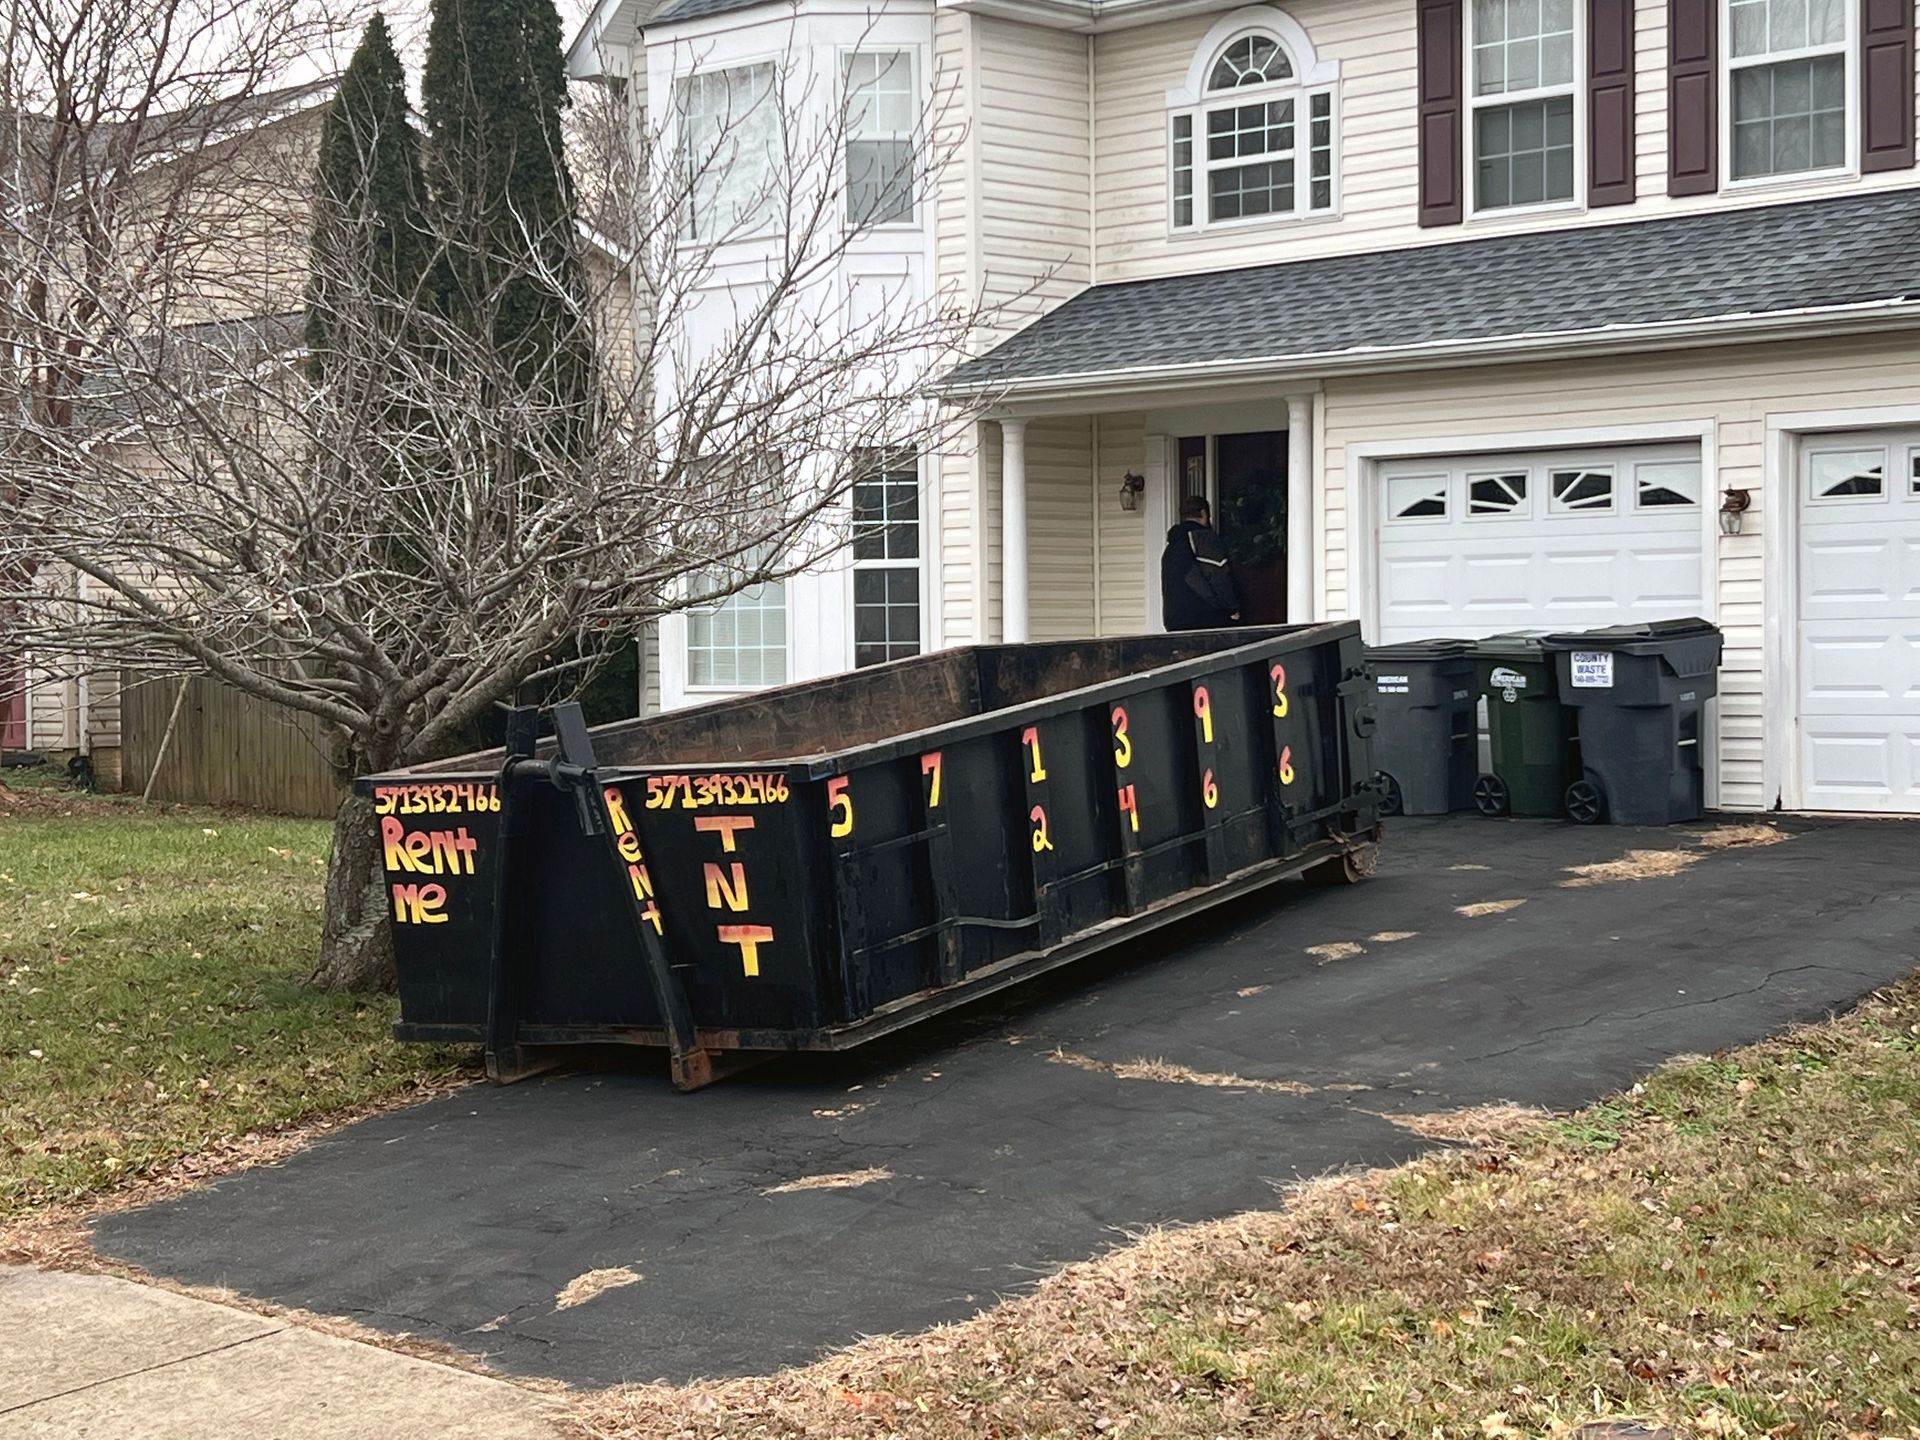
(1030, 737)
(930, 767)
(1279, 674)
(1203, 712)
(1286, 764)
(840, 807)
(1209, 791)
(1130, 807)
(1122, 742)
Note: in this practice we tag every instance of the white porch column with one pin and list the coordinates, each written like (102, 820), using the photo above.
(1300, 556)
(1013, 530)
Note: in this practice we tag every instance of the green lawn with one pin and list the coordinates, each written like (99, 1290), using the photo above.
(151, 996)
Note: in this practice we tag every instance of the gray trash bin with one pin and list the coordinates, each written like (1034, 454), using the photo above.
(1424, 745)
(1639, 693)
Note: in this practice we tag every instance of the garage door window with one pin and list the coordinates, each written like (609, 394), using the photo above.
(1913, 472)
(1847, 475)
(1417, 497)
(1582, 490)
(1665, 483)
(1497, 494)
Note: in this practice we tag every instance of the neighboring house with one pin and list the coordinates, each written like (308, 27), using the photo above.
(234, 306)
(1469, 317)
(758, 71)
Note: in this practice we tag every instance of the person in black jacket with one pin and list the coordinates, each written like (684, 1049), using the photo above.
(1197, 588)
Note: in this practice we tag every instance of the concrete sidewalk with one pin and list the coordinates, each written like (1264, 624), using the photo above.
(92, 1356)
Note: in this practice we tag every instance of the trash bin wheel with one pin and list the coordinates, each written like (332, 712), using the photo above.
(1490, 795)
(1586, 802)
(1348, 868)
(1391, 800)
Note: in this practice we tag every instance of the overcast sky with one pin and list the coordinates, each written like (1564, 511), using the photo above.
(408, 21)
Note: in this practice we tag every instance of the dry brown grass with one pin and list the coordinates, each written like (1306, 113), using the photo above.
(1487, 907)
(1730, 837)
(1168, 1073)
(1730, 1249)
(1473, 1124)
(841, 1180)
(1337, 950)
(1634, 865)
(1392, 937)
(583, 1288)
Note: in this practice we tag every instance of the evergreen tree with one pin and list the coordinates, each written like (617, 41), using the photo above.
(371, 241)
(493, 93)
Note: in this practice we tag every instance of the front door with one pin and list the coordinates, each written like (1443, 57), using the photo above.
(1246, 483)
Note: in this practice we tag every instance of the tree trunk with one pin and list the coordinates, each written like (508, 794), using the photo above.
(356, 946)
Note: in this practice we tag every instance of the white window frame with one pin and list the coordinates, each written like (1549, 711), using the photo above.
(1849, 165)
(918, 565)
(759, 227)
(1312, 76)
(1887, 474)
(740, 687)
(842, 61)
(1573, 90)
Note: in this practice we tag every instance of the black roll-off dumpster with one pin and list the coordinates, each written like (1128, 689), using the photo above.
(816, 865)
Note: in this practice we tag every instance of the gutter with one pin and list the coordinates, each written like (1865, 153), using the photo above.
(1810, 321)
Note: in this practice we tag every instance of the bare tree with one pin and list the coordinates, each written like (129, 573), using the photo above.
(419, 534)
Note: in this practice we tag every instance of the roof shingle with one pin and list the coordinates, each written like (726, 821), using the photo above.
(1761, 260)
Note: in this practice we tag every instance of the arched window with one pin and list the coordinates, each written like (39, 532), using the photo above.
(1252, 135)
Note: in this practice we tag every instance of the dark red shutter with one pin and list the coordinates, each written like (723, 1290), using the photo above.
(1886, 85)
(1693, 97)
(1610, 102)
(1442, 171)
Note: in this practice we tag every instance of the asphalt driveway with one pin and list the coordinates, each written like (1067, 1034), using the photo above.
(1003, 1142)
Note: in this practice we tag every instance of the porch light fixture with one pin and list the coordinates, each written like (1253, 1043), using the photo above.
(1733, 507)
(1132, 487)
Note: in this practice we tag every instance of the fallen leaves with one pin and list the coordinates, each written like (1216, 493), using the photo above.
(1487, 907)
(1168, 1073)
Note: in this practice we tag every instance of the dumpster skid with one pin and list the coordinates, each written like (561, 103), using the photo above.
(813, 866)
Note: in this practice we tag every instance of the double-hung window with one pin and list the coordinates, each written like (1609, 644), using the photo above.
(880, 116)
(1521, 58)
(1260, 143)
(886, 561)
(729, 145)
(739, 643)
(1787, 86)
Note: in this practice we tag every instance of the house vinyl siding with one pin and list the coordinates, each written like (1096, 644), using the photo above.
(1373, 42)
(959, 553)
(1731, 392)
(1060, 528)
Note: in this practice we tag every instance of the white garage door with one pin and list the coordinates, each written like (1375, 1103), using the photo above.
(1474, 545)
(1859, 644)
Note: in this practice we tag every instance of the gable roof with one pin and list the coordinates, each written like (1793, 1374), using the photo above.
(699, 9)
(1554, 286)
(143, 378)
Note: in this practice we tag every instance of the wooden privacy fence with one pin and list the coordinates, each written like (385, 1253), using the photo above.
(227, 748)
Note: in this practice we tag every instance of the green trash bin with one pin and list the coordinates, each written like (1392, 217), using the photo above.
(1529, 732)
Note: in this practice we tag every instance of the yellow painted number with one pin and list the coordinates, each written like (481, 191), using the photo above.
(1286, 764)
(1203, 711)
(930, 767)
(1209, 791)
(1030, 737)
(840, 806)
(1041, 840)
(1122, 742)
(1279, 691)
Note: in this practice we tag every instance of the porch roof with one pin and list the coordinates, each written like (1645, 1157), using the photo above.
(1701, 272)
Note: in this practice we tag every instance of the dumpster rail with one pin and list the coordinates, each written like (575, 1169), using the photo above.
(731, 908)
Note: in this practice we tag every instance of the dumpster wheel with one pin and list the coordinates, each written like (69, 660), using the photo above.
(1349, 867)
(1392, 802)
(1490, 795)
(1586, 802)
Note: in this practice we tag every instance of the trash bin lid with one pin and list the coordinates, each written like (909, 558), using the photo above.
(1436, 649)
(1513, 645)
(1640, 637)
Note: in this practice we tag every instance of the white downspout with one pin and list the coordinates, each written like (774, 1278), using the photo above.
(82, 685)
